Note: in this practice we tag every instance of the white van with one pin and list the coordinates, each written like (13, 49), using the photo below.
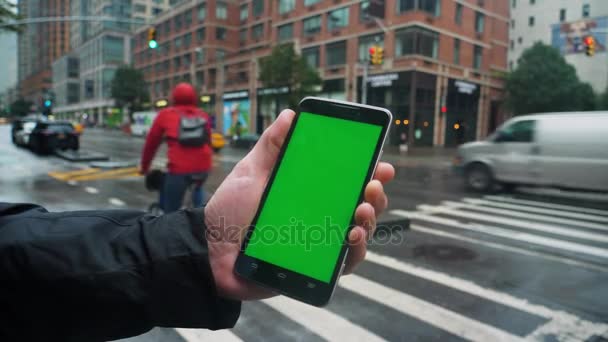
(566, 150)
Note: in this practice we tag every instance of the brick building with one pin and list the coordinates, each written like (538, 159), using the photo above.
(438, 53)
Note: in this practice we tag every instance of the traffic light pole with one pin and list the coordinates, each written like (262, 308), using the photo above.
(364, 83)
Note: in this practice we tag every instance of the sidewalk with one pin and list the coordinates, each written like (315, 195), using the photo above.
(433, 157)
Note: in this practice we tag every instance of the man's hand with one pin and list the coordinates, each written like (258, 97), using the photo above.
(233, 206)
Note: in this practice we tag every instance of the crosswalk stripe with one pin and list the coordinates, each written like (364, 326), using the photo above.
(518, 223)
(199, 335)
(513, 249)
(563, 213)
(432, 314)
(515, 213)
(554, 192)
(322, 322)
(548, 205)
(508, 234)
(566, 324)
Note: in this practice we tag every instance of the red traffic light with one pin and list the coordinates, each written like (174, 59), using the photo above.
(444, 109)
(372, 50)
(589, 40)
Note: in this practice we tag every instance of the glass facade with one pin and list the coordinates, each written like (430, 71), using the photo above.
(416, 41)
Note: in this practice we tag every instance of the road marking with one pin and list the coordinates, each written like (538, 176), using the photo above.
(67, 175)
(563, 213)
(110, 174)
(72, 183)
(197, 335)
(116, 202)
(432, 314)
(564, 324)
(508, 234)
(548, 205)
(565, 194)
(518, 223)
(507, 248)
(322, 322)
(91, 190)
(514, 213)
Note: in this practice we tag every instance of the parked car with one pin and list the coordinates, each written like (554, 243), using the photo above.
(565, 150)
(217, 141)
(48, 136)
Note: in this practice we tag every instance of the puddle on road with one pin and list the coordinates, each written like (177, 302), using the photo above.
(443, 252)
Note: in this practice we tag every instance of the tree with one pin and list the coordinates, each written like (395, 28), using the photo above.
(20, 107)
(129, 89)
(285, 68)
(544, 82)
(8, 14)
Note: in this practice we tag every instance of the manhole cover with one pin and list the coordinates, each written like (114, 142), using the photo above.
(444, 252)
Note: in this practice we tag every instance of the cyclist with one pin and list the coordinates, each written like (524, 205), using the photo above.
(187, 131)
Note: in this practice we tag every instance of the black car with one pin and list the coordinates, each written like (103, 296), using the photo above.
(49, 136)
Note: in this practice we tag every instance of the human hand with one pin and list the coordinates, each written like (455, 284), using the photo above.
(235, 202)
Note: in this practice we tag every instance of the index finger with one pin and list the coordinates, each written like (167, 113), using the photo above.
(385, 172)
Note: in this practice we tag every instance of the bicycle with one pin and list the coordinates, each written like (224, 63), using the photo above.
(154, 181)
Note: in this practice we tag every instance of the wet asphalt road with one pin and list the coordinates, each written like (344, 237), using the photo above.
(529, 265)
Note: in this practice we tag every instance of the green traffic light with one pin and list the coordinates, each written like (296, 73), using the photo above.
(153, 44)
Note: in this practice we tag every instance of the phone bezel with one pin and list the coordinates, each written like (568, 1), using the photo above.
(293, 284)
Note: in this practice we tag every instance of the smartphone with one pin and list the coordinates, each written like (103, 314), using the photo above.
(297, 242)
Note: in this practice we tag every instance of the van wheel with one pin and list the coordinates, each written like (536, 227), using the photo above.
(478, 177)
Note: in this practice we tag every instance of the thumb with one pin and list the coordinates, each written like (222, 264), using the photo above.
(265, 152)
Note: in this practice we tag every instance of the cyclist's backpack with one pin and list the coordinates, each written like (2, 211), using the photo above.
(192, 131)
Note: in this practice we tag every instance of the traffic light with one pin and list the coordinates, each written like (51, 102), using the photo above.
(376, 55)
(48, 103)
(152, 44)
(589, 45)
(372, 54)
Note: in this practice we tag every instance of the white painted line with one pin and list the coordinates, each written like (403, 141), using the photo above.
(509, 234)
(72, 182)
(565, 194)
(91, 190)
(116, 202)
(561, 212)
(320, 321)
(548, 205)
(514, 213)
(430, 313)
(199, 335)
(567, 261)
(517, 223)
(566, 324)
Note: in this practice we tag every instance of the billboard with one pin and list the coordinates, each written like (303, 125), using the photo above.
(236, 116)
(568, 37)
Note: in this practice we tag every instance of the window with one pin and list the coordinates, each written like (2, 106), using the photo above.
(366, 42)
(431, 6)
(220, 33)
(312, 25)
(200, 34)
(416, 40)
(140, 8)
(187, 59)
(520, 40)
(187, 19)
(257, 31)
(202, 12)
(520, 131)
(113, 49)
(479, 20)
(512, 23)
(177, 22)
(187, 39)
(586, 10)
(512, 45)
(178, 42)
(513, 3)
(258, 7)
(244, 12)
(511, 65)
(363, 8)
(531, 21)
(221, 10)
(337, 18)
(220, 54)
(562, 15)
(310, 2)
(285, 32)
(243, 35)
(286, 6)
(156, 11)
(177, 63)
(335, 53)
(532, 2)
(458, 15)
(200, 56)
(456, 51)
(311, 56)
(477, 55)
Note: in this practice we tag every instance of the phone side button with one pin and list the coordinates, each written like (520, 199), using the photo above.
(254, 265)
(282, 275)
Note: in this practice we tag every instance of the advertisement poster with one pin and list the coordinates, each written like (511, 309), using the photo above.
(236, 117)
(568, 37)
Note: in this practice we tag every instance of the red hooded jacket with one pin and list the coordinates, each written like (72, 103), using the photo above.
(182, 159)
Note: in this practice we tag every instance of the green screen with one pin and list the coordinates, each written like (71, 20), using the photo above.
(309, 206)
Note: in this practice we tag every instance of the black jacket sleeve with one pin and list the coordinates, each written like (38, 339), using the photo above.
(102, 275)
